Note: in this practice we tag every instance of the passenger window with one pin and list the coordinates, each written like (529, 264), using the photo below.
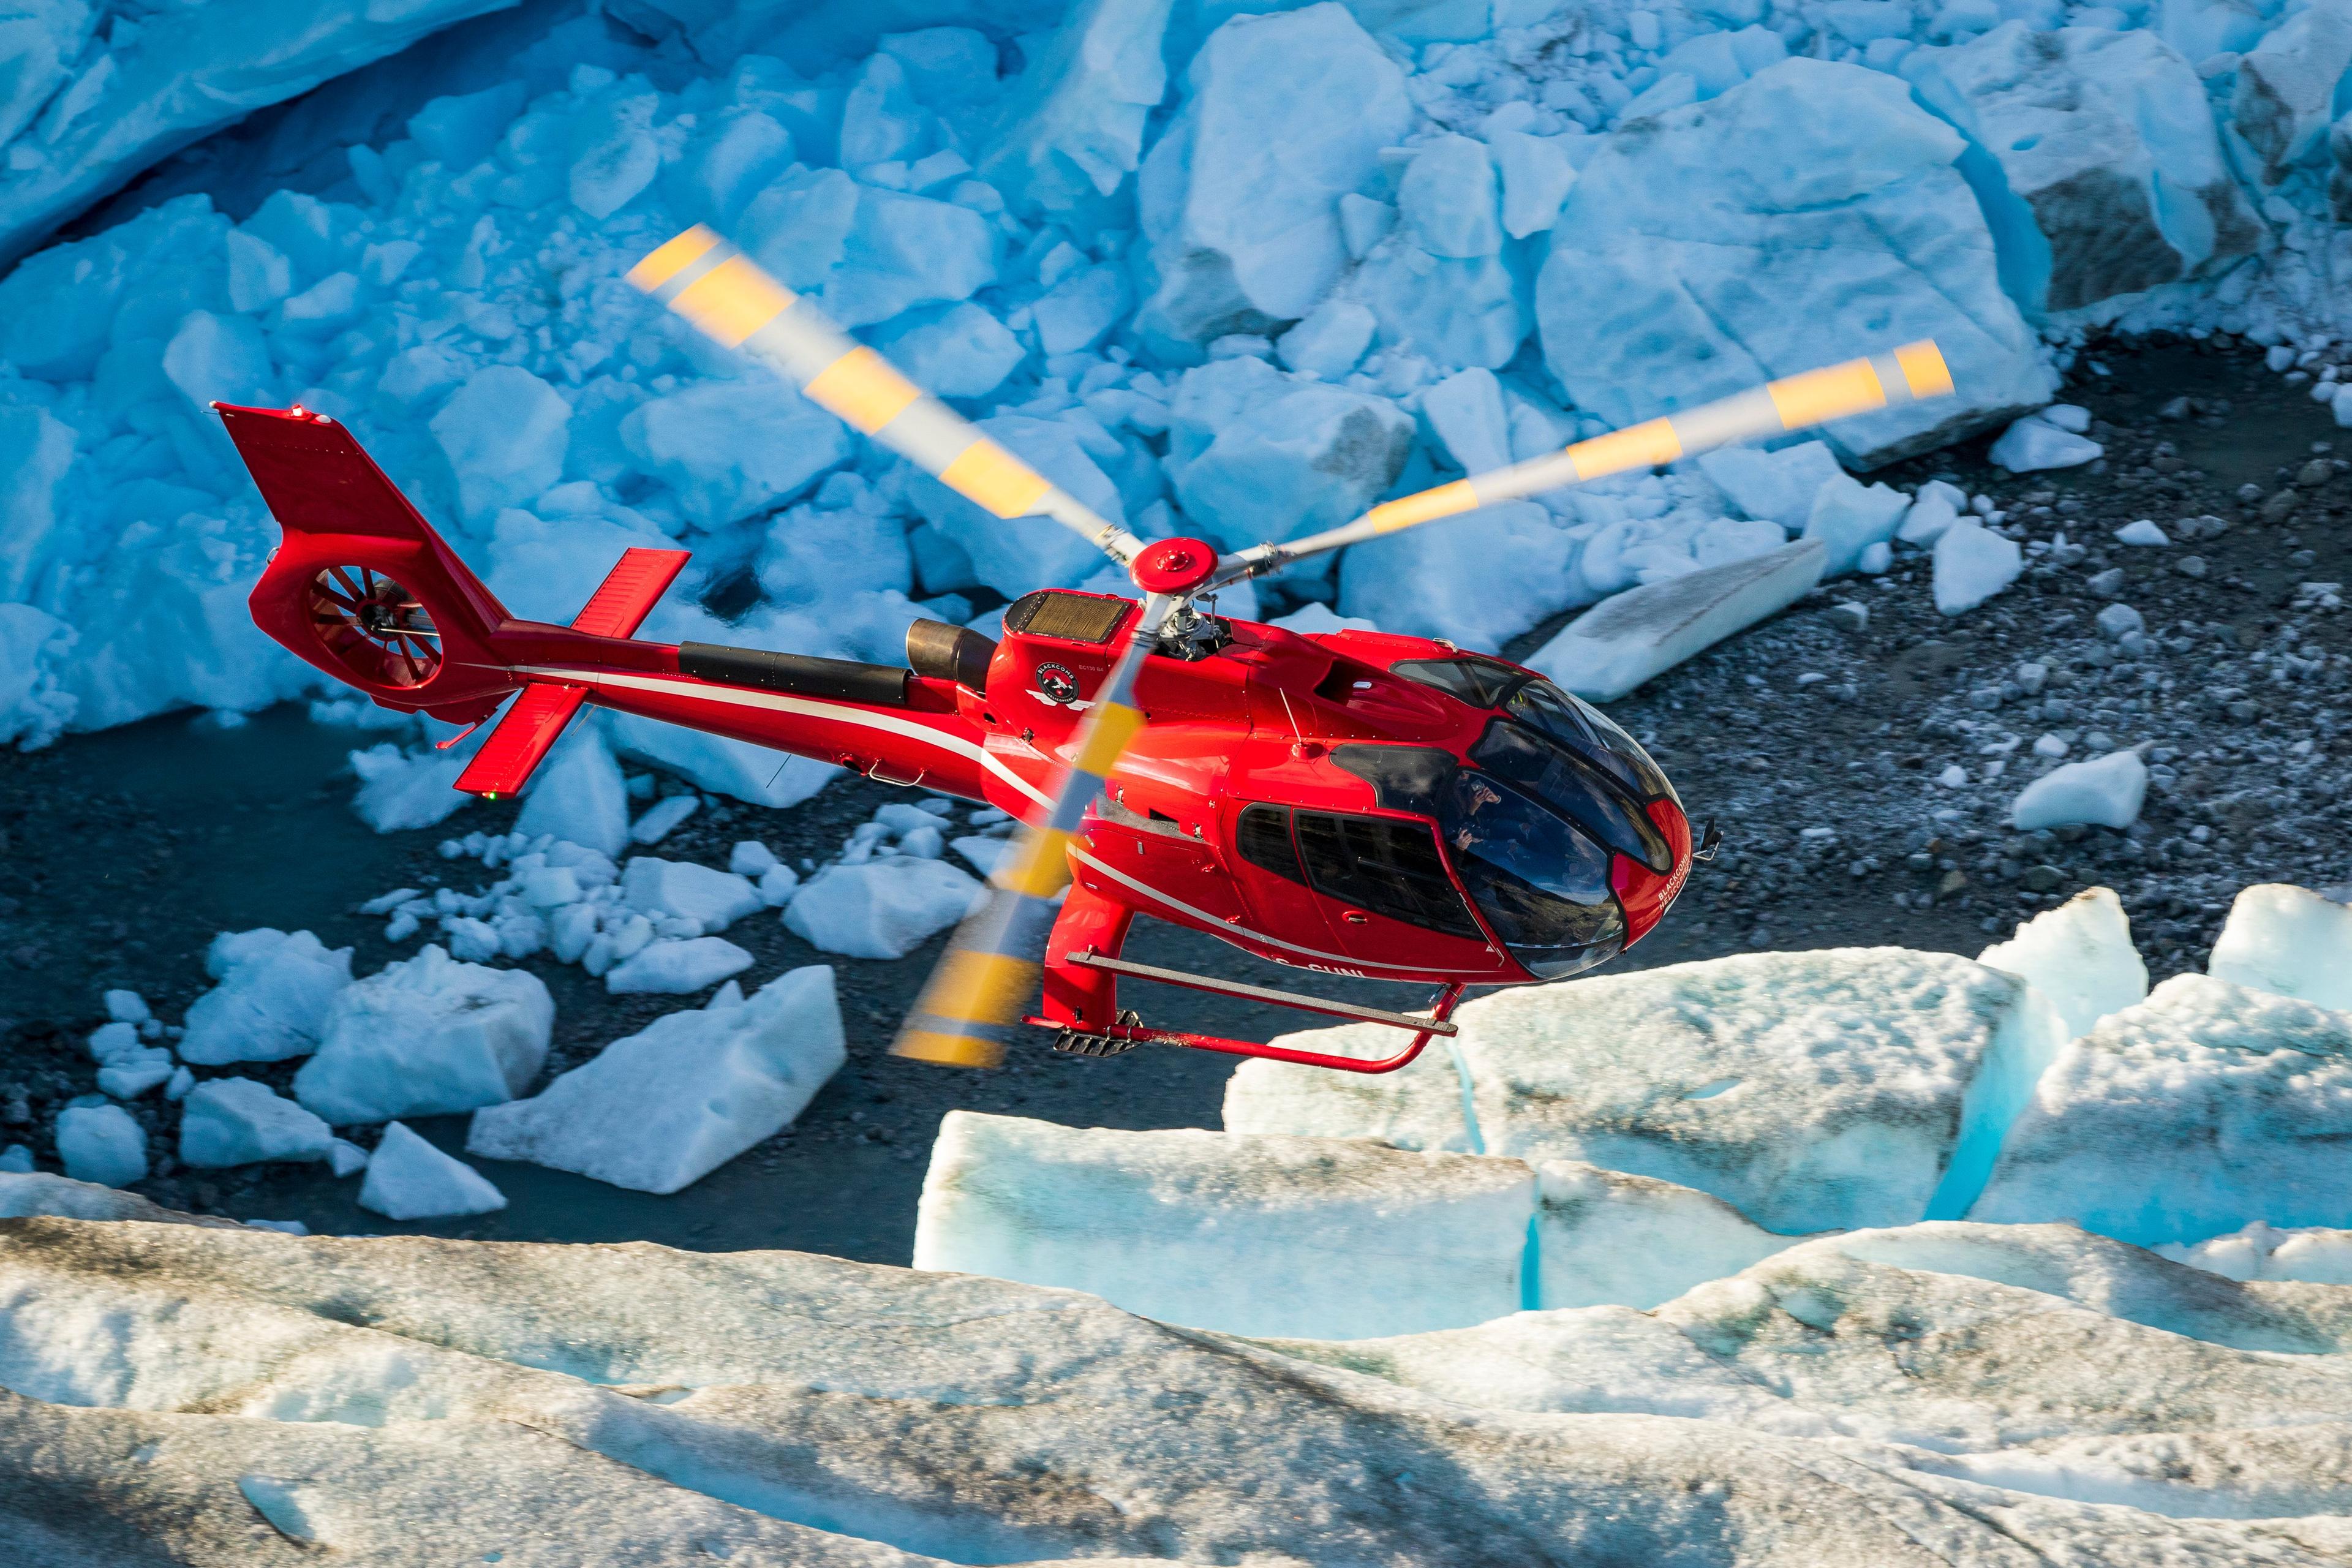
(1263, 836)
(1384, 865)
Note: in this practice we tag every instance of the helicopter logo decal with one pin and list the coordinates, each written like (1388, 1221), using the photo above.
(1057, 687)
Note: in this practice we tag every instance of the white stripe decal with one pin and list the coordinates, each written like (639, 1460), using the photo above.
(838, 713)
(1218, 926)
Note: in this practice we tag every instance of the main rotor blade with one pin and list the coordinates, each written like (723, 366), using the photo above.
(990, 968)
(1910, 373)
(725, 295)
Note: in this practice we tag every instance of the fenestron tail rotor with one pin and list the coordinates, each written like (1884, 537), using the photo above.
(725, 295)
(1907, 375)
(990, 970)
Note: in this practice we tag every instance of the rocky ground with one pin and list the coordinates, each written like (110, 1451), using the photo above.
(1820, 741)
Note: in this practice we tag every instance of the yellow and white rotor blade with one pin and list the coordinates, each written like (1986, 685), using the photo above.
(1908, 375)
(989, 971)
(725, 294)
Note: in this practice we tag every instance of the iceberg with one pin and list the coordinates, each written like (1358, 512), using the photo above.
(659, 1109)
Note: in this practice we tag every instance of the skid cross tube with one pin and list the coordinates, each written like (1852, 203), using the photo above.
(1424, 1029)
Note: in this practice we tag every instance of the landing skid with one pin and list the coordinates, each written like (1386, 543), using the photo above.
(1130, 1031)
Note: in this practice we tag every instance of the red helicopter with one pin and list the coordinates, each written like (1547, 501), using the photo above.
(1391, 808)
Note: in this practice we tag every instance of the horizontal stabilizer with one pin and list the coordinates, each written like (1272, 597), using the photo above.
(629, 592)
(522, 740)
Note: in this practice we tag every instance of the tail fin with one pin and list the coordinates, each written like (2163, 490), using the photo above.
(361, 587)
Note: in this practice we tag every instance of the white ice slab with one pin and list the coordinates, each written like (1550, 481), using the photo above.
(2105, 791)
(1623, 641)
(428, 1037)
(2205, 1108)
(2288, 940)
(271, 1000)
(408, 1178)
(2080, 956)
(676, 968)
(1341, 1239)
(716, 899)
(665, 1107)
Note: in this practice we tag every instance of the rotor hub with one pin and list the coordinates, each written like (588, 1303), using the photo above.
(1175, 567)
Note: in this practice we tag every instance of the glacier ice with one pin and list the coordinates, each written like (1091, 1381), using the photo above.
(2290, 941)
(240, 1121)
(676, 966)
(1809, 1090)
(660, 1110)
(2204, 1108)
(427, 1036)
(271, 999)
(712, 899)
(408, 1178)
(1605, 1237)
(1374, 1240)
(2080, 956)
(1779, 485)
(1849, 517)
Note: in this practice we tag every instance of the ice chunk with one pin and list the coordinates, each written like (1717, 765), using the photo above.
(956, 351)
(2204, 1108)
(1811, 213)
(1605, 1237)
(714, 898)
(1465, 411)
(101, 1144)
(1937, 507)
(1779, 486)
(2080, 956)
(130, 1079)
(2144, 532)
(1536, 172)
(408, 1178)
(1316, 618)
(1849, 517)
(504, 435)
(127, 1007)
(429, 1037)
(1152, 1222)
(661, 1109)
(1255, 454)
(1239, 199)
(2106, 791)
(34, 707)
(730, 450)
(272, 998)
(1072, 129)
(1439, 582)
(577, 794)
(751, 859)
(403, 790)
(239, 1121)
(1329, 341)
(1423, 1105)
(1449, 200)
(1811, 1091)
(1971, 565)
(655, 824)
(2034, 444)
(675, 968)
(15, 1159)
(882, 909)
(2290, 941)
(1624, 641)
(2095, 156)
(345, 1158)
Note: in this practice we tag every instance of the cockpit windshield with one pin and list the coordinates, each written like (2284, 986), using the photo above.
(1535, 701)
(1541, 883)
